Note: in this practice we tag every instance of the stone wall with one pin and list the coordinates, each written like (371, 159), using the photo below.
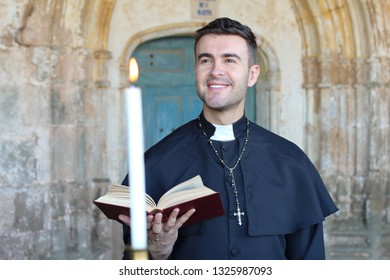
(52, 144)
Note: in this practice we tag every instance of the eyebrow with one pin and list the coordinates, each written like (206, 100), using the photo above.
(224, 55)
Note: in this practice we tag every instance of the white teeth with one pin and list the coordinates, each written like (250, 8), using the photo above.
(217, 86)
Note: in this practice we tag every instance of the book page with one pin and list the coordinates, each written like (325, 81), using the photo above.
(183, 196)
(187, 191)
(119, 195)
(193, 183)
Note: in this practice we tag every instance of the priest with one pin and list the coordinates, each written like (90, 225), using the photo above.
(274, 199)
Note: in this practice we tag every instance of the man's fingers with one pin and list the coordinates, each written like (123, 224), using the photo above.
(184, 218)
(149, 221)
(125, 219)
(157, 223)
(170, 224)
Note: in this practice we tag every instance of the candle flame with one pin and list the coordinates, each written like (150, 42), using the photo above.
(133, 71)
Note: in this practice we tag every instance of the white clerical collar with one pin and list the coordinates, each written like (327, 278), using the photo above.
(223, 133)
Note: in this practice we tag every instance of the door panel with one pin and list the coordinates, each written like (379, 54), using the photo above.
(167, 106)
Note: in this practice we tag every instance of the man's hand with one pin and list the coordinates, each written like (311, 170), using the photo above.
(162, 236)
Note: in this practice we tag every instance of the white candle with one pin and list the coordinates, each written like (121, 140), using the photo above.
(135, 140)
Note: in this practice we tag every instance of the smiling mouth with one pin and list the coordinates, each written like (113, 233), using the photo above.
(217, 86)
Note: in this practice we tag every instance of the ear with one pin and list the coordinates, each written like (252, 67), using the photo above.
(254, 72)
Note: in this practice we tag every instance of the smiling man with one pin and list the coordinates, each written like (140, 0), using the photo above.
(274, 199)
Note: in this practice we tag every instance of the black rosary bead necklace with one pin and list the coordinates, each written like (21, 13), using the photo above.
(239, 213)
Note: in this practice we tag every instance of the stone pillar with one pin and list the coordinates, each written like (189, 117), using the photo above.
(312, 143)
(378, 157)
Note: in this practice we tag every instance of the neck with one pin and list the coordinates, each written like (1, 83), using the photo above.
(222, 117)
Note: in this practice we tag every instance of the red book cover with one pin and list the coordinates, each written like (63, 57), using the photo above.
(207, 207)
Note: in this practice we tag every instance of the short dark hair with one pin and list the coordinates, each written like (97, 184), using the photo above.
(227, 26)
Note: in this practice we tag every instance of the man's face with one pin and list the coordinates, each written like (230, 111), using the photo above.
(223, 73)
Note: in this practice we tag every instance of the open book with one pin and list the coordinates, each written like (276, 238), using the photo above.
(185, 196)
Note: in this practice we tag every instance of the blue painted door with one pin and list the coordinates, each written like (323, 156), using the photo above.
(167, 80)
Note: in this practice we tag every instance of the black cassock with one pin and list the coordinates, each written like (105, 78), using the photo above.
(281, 193)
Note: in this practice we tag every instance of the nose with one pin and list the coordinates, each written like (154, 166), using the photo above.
(217, 69)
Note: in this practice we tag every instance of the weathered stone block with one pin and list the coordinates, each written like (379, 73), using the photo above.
(68, 156)
(18, 161)
(9, 106)
(31, 209)
(7, 196)
(67, 105)
(45, 60)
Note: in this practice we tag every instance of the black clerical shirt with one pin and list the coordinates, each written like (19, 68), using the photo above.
(280, 192)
